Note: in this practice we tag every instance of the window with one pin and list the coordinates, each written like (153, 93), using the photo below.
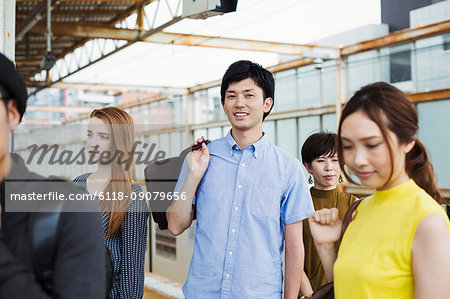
(166, 244)
(400, 63)
(446, 42)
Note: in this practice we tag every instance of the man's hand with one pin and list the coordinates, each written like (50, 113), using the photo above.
(198, 160)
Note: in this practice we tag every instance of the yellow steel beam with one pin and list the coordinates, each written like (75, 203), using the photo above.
(398, 37)
(108, 32)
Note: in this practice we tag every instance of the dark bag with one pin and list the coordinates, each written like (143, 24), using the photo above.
(162, 176)
(43, 229)
(324, 292)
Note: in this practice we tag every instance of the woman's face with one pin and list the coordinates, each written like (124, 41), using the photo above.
(325, 171)
(99, 139)
(366, 153)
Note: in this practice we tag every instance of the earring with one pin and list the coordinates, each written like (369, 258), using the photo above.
(340, 179)
(310, 180)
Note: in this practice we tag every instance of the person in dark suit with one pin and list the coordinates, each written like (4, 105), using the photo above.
(78, 261)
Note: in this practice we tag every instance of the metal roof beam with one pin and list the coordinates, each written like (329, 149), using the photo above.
(109, 32)
(60, 109)
(86, 86)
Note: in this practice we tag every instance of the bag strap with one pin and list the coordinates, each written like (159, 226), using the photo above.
(348, 216)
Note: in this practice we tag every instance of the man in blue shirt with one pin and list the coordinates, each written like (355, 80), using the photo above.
(248, 195)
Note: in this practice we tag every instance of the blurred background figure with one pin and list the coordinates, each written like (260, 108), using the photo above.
(319, 156)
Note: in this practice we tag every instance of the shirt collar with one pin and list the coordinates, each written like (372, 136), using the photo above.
(257, 146)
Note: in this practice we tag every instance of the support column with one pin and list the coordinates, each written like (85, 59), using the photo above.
(8, 28)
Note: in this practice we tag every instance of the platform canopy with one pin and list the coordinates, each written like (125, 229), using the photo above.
(148, 43)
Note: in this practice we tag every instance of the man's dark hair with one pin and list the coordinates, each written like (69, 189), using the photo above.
(243, 69)
(319, 144)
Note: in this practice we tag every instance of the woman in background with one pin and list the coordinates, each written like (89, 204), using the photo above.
(110, 140)
(320, 160)
(398, 244)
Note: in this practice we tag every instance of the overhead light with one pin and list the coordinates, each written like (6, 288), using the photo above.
(202, 9)
(49, 61)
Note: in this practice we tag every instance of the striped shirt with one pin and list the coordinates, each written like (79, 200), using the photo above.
(127, 247)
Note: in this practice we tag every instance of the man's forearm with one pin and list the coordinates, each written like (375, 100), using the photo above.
(181, 213)
(294, 269)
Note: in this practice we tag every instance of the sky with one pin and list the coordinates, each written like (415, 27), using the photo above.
(288, 21)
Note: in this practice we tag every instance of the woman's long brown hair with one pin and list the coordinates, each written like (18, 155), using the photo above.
(121, 127)
(391, 110)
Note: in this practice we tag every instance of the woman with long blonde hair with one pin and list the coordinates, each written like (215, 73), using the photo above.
(110, 145)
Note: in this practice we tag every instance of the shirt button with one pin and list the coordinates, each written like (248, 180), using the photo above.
(230, 253)
(227, 276)
(233, 230)
(239, 186)
(243, 164)
(236, 208)
(256, 154)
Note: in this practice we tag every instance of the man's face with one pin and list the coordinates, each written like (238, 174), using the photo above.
(245, 105)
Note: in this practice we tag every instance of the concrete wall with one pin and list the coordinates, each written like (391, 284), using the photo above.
(430, 14)
(396, 13)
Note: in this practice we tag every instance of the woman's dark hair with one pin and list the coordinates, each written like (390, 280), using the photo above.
(243, 69)
(318, 144)
(391, 110)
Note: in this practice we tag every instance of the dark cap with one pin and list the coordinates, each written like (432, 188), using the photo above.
(12, 84)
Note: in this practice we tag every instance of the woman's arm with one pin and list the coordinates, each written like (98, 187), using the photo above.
(431, 258)
(134, 238)
(325, 227)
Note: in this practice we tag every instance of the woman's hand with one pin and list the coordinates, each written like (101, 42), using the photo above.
(325, 226)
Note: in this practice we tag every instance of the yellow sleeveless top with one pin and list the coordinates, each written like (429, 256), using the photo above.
(374, 259)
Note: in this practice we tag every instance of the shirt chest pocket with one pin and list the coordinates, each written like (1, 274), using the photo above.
(265, 203)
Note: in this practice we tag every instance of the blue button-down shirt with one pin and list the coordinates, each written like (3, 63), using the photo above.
(243, 202)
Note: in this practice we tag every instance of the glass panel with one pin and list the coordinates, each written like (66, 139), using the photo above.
(226, 129)
(306, 126)
(154, 113)
(199, 133)
(433, 63)
(434, 132)
(215, 103)
(400, 63)
(285, 91)
(164, 143)
(268, 128)
(308, 86)
(329, 122)
(328, 77)
(214, 133)
(166, 245)
(287, 135)
(176, 142)
(362, 70)
(201, 110)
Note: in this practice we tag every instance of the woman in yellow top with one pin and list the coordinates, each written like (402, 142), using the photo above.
(320, 159)
(398, 245)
